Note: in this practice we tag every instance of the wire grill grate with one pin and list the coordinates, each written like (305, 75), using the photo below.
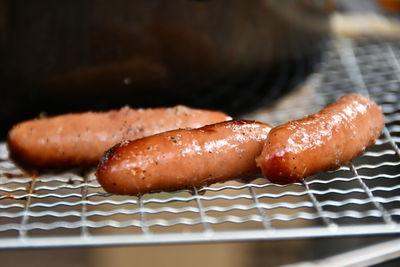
(358, 199)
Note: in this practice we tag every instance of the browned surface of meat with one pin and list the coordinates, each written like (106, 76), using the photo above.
(322, 141)
(183, 159)
(76, 140)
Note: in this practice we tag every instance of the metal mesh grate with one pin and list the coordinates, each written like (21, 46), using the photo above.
(362, 198)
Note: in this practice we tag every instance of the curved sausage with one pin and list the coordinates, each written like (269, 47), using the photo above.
(322, 141)
(76, 140)
(183, 159)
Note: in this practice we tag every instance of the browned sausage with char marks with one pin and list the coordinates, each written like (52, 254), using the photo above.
(76, 140)
(183, 159)
(322, 141)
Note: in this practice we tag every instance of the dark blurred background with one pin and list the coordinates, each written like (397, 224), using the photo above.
(232, 55)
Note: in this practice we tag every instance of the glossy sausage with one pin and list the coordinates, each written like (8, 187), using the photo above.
(322, 141)
(183, 159)
(76, 140)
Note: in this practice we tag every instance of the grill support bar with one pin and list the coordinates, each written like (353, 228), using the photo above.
(198, 237)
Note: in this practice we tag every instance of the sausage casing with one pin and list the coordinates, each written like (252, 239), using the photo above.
(80, 139)
(322, 141)
(183, 159)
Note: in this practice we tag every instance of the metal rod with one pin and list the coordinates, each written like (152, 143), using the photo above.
(385, 214)
(25, 217)
(349, 61)
(84, 191)
(265, 219)
(202, 213)
(331, 225)
(144, 226)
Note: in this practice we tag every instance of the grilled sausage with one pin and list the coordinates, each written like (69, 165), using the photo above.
(183, 159)
(77, 140)
(322, 141)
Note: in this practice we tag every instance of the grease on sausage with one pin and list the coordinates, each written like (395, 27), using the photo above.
(80, 139)
(183, 159)
(322, 141)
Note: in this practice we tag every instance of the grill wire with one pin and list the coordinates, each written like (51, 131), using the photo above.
(361, 198)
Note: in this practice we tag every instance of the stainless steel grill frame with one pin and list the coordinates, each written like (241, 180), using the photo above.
(362, 198)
